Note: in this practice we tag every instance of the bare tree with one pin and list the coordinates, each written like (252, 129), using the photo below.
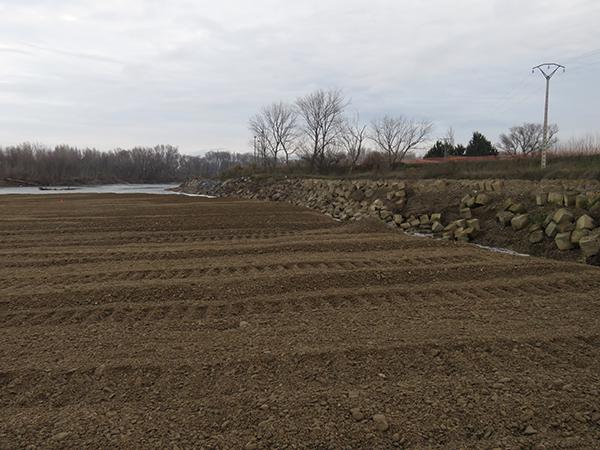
(275, 128)
(352, 139)
(527, 139)
(396, 136)
(322, 118)
(449, 137)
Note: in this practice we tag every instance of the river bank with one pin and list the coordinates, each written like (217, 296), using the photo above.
(551, 218)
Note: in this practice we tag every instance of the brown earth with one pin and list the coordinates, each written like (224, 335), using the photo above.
(177, 322)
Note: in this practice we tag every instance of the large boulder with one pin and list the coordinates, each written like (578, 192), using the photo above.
(585, 222)
(474, 223)
(519, 222)
(541, 199)
(468, 201)
(581, 202)
(556, 198)
(504, 218)
(517, 208)
(563, 215)
(570, 199)
(437, 227)
(483, 199)
(536, 236)
(563, 241)
(590, 245)
(551, 230)
(577, 235)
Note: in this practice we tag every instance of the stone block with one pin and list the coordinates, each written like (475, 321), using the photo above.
(464, 234)
(437, 227)
(556, 198)
(551, 230)
(474, 223)
(437, 217)
(565, 227)
(563, 216)
(398, 218)
(519, 222)
(424, 219)
(466, 213)
(504, 218)
(581, 201)
(563, 241)
(468, 201)
(590, 245)
(536, 236)
(585, 222)
(517, 208)
(541, 199)
(577, 235)
(570, 199)
(483, 200)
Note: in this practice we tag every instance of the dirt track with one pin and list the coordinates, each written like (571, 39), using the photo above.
(177, 322)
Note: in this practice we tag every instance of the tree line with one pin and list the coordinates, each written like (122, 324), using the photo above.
(39, 164)
(318, 130)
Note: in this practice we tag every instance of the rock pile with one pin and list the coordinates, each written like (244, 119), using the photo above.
(572, 224)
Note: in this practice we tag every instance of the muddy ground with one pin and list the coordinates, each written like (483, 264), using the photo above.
(176, 322)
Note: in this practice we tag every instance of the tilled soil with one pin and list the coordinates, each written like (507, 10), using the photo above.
(177, 322)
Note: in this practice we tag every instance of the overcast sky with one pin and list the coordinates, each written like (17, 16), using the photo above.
(190, 73)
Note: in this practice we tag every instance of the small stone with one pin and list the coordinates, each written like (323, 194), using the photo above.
(244, 324)
(60, 436)
(357, 414)
(381, 422)
(529, 431)
(100, 370)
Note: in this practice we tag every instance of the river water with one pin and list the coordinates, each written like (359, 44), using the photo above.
(98, 189)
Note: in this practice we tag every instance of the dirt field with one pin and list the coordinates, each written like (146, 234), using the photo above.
(179, 322)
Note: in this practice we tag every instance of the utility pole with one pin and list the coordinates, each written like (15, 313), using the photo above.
(551, 69)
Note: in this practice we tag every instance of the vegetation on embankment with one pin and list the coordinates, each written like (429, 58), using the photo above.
(561, 165)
